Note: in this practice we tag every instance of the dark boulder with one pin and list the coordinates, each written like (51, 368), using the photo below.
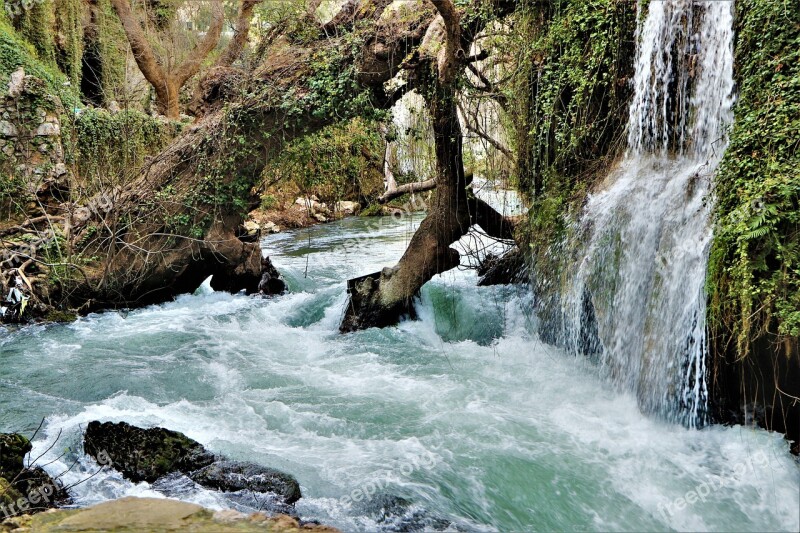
(233, 476)
(507, 269)
(271, 284)
(144, 454)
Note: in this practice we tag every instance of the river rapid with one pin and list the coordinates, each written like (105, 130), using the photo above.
(462, 420)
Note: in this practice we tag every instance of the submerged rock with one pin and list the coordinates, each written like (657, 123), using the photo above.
(394, 513)
(144, 454)
(233, 476)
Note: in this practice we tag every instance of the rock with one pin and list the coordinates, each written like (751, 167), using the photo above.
(7, 129)
(60, 169)
(320, 217)
(144, 454)
(270, 227)
(252, 227)
(271, 284)
(399, 514)
(113, 107)
(13, 448)
(80, 216)
(347, 208)
(313, 205)
(21, 488)
(233, 476)
(156, 515)
(16, 83)
(48, 129)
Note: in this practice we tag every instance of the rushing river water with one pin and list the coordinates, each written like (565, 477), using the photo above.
(464, 413)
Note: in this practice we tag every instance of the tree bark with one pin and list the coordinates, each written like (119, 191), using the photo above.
(166, 84)
(241, 33)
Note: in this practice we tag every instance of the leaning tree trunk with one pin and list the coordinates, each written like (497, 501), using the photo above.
(381, 299)
(177, 223)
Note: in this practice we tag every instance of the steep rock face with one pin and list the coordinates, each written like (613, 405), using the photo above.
(144, 454)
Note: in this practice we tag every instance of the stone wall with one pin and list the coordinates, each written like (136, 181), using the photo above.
(30, 134)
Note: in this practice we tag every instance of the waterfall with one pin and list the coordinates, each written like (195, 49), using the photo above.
(633, 297)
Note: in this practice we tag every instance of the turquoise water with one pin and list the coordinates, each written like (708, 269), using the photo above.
(465, 413)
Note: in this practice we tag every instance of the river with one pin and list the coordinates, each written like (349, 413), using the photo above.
(465, 413)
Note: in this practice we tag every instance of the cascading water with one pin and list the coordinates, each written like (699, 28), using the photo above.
(635, 296)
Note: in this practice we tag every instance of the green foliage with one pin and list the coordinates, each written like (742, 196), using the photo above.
(111, 47)
(15, 52)
(572, 101)
(69, 38)
(35, 22)
(340, 161)
(754, 275)
(108, 147)
(333, 91)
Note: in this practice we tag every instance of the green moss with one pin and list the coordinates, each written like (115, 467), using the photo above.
(69, 38)
(754, 274)
(341, 161)
(60, 316)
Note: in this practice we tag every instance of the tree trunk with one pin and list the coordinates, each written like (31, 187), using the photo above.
(382, 299)
(167, 99)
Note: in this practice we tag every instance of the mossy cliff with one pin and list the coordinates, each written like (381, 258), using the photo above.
(754, 273)
(577, 57)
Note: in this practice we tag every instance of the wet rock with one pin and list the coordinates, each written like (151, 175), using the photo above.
(506, 269)
(13, 448)
(144, 454)
(394, 513)
(347, 208)
(271, 284)
(25, 489)
(233, 476)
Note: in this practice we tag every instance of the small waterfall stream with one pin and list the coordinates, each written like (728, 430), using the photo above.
(634, 298)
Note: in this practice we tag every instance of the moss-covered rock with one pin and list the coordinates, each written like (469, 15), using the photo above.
(144, 454)
(13, 448)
